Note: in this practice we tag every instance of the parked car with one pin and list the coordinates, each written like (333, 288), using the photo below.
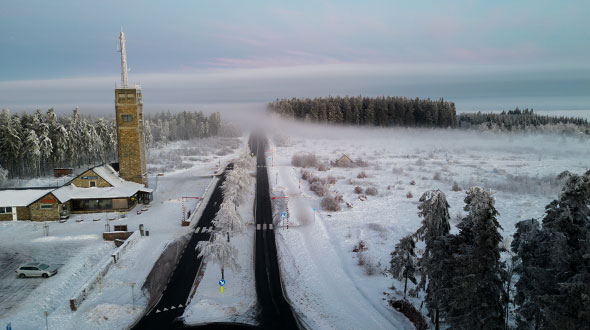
(35, 269)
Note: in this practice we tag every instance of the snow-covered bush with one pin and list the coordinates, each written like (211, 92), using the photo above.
(413, 183)
(319, 188)
(409, 194)
(420, 162)
(329, 203)
(361, 163)
(361, 175)
(323, 167)
(455, 187)
(371, 191)
(331, 180)
(358, 190)
(306, 175)
(436, 176)
(304, 159)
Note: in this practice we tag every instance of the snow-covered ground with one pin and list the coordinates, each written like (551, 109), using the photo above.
(78, 247)
(322, 275)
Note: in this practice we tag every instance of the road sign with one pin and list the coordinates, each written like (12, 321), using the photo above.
(221, 282)
(284, 215)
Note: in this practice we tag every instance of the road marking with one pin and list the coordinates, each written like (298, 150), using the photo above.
(270, 226)
(257, 226)
(171, 308)
(264, 226)
(165, 309)
(180, 306)
(197, 230)
(158, 311)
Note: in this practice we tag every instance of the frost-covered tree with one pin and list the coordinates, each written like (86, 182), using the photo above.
(403, 263)
(434, 209)
(221, 252)
(3, 174)
(31, 152)
(227, 221)
(553, 289)
(475, 292)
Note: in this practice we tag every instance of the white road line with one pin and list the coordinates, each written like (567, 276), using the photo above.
(264, 226)
(270, 226)
(257, 226)
(197, 230)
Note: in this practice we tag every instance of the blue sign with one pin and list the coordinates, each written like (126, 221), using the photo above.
(221, 282)
(284, 214)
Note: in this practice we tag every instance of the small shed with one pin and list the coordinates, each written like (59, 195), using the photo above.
(59, 172)
(343, 161)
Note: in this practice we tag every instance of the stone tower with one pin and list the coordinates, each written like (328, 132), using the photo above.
(130, 129)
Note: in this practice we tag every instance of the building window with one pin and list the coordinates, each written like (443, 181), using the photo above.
(127, 117)
(93, 183)
(4, 210)
(46, 206)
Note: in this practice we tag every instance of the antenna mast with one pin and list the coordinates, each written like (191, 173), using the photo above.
(124, 83)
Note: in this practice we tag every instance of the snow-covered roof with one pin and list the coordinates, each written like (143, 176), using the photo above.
(108, 174)
(24, 197)
(69, 192)
(120, 188)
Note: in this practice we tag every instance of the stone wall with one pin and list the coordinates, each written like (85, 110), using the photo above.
(23, 213)
(85, 183)
(39, 214)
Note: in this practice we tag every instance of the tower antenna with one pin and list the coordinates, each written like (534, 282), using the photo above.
(124, 83)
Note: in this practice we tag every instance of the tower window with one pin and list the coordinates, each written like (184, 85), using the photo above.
(127, 117)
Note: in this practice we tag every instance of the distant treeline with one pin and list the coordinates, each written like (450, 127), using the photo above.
(32, 145)
(377, 111)
(523, 120)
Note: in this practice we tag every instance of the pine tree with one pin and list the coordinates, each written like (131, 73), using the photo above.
(434, 209)
(403, 264)
(475, 292)
(554, 273)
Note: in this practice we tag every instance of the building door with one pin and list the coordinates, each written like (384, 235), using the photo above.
(14, 216)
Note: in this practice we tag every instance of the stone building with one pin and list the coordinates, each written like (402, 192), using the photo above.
(29, 204)
(130, 135)
(99, 189)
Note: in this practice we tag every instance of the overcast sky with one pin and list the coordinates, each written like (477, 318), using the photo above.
(482, 54)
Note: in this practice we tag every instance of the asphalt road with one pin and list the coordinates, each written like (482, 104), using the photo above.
(171, 305)
(274, 310)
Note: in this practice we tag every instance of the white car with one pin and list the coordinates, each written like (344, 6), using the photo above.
(36, 269)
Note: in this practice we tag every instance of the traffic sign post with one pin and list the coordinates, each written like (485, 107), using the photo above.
(221, 284)
(287, 199)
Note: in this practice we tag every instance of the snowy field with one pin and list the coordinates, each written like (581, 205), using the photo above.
(336, 288)
(78, 247)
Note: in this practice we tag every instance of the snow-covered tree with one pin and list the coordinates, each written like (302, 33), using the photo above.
(434, 209)
(221, 252)
(403, 263)
(553, 289)
(474, 293)
(3, 174)
(227, 220)
(31, 152)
